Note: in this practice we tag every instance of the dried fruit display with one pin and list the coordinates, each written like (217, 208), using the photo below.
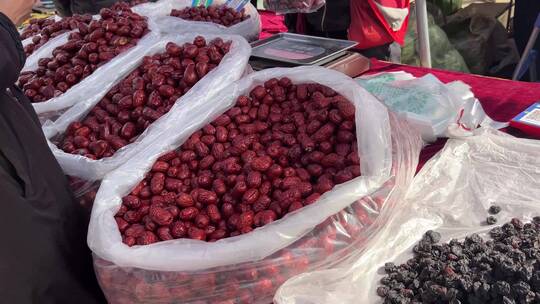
(250, 267)
(219, 14)
(503, 269)
(41, 30)
(142, 97)
(277, 150)
(86, 50)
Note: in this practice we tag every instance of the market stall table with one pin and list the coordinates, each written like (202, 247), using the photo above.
(501, 99)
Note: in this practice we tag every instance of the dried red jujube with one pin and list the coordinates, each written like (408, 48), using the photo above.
(233, 177)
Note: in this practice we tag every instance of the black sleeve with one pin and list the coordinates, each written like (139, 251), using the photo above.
(11, 60)
(44, 254)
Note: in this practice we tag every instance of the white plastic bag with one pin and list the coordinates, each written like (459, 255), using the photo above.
(450, 195)
(44, 51)
(160, 12)
(312, 237)
(293, 6)
(229, 70)
(101, 79)
(91, 85)
(435, 109)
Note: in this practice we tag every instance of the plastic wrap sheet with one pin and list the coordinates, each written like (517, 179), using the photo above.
(160, 12)
(434, 108)
(451, 195)
(229, 70)
(250, 267)
(84, 192)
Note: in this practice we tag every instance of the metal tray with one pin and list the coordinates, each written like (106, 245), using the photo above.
(299, 49)
(260, 63)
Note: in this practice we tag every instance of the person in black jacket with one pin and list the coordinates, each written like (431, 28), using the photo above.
(331, 21)
(44, 258)
(524, 18)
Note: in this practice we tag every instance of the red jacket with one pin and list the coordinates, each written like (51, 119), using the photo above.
(378, 22)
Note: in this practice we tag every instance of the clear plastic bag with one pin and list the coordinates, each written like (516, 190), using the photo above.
(250, 267)
(160, 12)
(229, 70)
(84, 192)
(293, 6)
(428, 104)
(451, 195)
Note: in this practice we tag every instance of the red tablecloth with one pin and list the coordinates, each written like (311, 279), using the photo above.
(501, 99)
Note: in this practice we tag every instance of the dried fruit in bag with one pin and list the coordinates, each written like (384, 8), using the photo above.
(250, 170)
(503, 269)
(219, 14)
(142, 97)
(93, 45)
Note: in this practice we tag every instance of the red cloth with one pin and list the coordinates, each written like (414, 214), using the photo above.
(501, 99)
(365, 27)
(271, 24)
(369, 26)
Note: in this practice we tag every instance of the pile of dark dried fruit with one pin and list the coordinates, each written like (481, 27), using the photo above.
(505, 269)
(220, 14)
(281, 147)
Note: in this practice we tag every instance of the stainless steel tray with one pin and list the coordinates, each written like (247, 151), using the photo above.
(299, 49)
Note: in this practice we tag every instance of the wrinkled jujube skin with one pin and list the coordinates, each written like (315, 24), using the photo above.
(252, 165)
(92, 46)
(219, 14)
(141, 98)
(42, 30)
(501, 268)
